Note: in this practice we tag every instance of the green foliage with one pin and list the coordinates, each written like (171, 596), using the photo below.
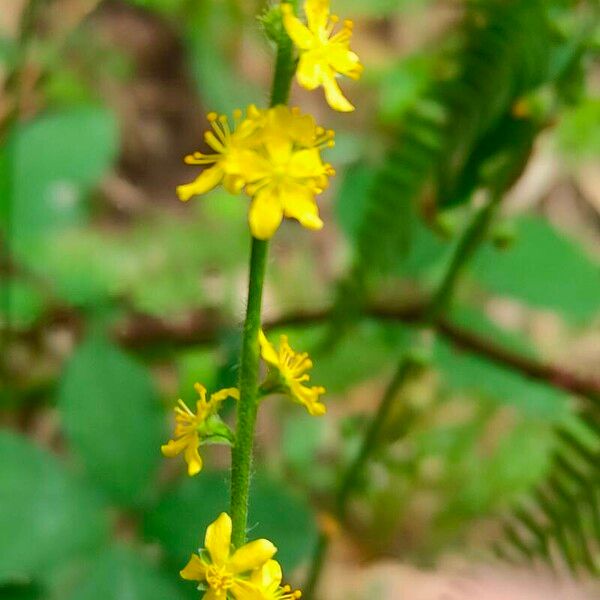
(560, 522)
(112, 418)
(154, 264)
(505, 52)
(201, 501)
(543, 268)
(222, 88)
(579, 130)
(48, 516)
(470, 373)
(121, 573)
(462, 118)
(379, 8)
(49, 183)
(23, 303)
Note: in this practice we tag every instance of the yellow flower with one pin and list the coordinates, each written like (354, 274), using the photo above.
(192, 429)
(230, 147)
(290, 369)
(267, 584)
(223, 572)
(286, 175)
(274, 156)
(323, 54)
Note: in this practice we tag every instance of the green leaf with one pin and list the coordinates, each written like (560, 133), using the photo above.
(181, 518)
(403, 83)
(211, 30)
(543, 268)
(284, 517)
(122, 574)
(24, 591)
(21, 303)
(55, 161)
(352, 198)
(579, 130)
(276, 513)
(46, 517)
(112, 417)
(473, 374)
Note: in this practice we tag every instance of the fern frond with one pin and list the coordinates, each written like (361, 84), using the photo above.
(506, 52)
(560, 523)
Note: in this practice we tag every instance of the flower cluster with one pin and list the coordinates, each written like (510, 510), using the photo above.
(248, 573)
(287, 374)
(272, 155)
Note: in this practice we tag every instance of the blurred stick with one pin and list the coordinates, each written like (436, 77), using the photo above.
(204, 328)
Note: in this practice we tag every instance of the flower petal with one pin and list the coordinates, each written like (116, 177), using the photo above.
(317, 14)
(207, 180)
(174, 447)
(242, 589)
(267, 351)
(300, 34)
(300, 204)
(251, 556)
(211, 594)
(344, 61)
(192, 457)
(309, 397)
(266, 213)
(305, 164)
(334, 95)
(269, 575)
(218, 539)
(233, 183)
(195, 570)
(310, 67)
(225, 393)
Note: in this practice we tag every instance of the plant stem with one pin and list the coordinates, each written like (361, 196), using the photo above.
(466, 246)
(370, 440)
(247, 406)
(472, 236)
(241, 461)
(285, 67)
(352, 473)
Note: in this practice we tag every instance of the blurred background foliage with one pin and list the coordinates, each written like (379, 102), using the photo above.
(116, 298)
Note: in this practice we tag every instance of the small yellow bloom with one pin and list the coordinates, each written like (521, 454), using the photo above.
(323, 54)
(290, 369)
(230, 147)
(191, 429)
(267, 584)
(225, 573)
(286, 175)
(274, 156)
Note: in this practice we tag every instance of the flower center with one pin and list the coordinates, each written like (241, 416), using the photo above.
(219, 579)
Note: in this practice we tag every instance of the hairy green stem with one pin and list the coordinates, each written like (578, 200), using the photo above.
(247, 406)
(472, 236)
(285, 67)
